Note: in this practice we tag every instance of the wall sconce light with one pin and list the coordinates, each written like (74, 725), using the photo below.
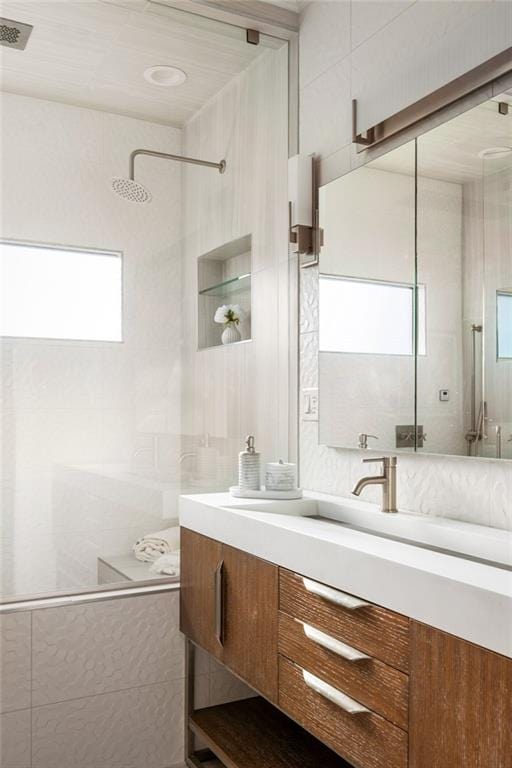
(304, 236)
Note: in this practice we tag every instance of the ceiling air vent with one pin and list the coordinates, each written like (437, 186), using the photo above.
(14, 34)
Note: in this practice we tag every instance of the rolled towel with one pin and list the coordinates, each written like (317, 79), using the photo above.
(168, 565)
(152, 546)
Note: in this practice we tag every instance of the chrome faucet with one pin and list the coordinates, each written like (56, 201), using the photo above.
(387, 479)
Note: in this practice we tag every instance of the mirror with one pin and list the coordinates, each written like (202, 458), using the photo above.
(415, 287)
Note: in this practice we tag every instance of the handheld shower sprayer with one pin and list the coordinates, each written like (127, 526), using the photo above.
(135, 192)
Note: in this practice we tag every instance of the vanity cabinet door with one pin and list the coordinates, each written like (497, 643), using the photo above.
(229, 607)
(250, 619)
(460, 703)
(201, 571)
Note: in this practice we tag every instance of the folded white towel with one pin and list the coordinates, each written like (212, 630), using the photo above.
(154, 545)
(168, 565)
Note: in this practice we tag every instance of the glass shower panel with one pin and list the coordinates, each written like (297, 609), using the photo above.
(101, 431)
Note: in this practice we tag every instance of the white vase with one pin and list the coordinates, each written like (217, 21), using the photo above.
(230, 334)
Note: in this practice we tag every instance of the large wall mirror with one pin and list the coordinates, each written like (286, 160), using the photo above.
(415, 336)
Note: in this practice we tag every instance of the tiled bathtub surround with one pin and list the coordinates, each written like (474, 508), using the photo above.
(387, 55)
(100, 685)
(91, 686)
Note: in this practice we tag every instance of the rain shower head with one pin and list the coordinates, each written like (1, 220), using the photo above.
(131, 190)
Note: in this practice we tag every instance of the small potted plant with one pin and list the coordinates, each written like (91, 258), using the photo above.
(230, 316)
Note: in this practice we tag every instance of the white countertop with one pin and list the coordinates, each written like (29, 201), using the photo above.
(469, 599)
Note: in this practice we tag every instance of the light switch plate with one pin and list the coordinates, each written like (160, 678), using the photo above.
(310, 404)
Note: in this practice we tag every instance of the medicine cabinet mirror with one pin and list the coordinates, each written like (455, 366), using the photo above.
(415, 286)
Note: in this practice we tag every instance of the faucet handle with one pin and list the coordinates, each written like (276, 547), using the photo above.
(390, 460)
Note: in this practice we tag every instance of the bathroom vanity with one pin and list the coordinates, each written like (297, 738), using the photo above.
(380, 671)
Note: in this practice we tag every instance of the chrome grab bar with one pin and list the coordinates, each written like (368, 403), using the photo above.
(333, 595)
(344, 702)
(331, 644)
(219, 602)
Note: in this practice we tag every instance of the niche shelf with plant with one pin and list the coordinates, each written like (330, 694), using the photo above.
(224, 301)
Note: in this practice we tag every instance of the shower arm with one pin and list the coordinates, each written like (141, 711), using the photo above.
(221, 167)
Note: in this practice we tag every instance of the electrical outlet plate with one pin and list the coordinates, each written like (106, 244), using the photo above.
(310, 404)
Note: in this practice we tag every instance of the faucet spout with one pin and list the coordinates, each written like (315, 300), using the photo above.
(364, 481)
(387, 479)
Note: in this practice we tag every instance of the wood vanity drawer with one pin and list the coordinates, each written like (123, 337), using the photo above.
(366, 740)
(378, 686)
(370, 628)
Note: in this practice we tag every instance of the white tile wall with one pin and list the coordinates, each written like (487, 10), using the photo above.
(231, 392)
(124, 729)
(398, 52)
(91, 649)
(15, 741)
(15, 661)
(95, 686)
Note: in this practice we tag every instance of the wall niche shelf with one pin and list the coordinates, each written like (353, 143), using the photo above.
(228, 287)
(224, 277)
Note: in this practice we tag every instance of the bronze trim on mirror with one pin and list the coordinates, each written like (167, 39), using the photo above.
(482, 75)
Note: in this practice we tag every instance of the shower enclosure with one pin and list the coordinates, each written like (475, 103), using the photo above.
(109, 410)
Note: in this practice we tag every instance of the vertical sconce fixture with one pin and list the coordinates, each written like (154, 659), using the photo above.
(305, 236)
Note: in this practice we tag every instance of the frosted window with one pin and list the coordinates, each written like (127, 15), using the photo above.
(368, 317)
(59, 293)
(504, 324)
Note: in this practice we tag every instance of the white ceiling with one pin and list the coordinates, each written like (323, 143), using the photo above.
(93, 53)
(450, 151)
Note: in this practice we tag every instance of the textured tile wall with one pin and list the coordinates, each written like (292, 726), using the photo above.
(101, 685)
(94, 686)
(387, 55)
(229, 392)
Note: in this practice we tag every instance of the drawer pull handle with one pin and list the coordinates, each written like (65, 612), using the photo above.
(219, 602)
(334, 595)
(344, 702)
(331, 644)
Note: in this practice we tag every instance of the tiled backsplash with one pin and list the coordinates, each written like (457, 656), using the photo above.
(475, 490)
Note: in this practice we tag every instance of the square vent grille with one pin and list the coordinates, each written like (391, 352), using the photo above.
(14, 34)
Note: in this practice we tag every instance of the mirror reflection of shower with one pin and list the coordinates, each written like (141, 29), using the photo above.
(476, 432)
(135, 192)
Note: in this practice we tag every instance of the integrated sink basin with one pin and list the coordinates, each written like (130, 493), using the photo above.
(447, 574)
(488, 546)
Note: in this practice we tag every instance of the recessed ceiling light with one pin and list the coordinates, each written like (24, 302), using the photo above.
(165, 76)
(494, 152)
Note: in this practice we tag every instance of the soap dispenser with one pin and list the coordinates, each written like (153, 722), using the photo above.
(249, 467)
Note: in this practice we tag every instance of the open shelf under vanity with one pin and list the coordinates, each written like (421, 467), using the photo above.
(254, 734)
